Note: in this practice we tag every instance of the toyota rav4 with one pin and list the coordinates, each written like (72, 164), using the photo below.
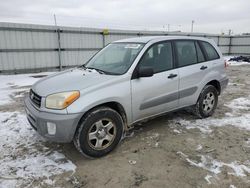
(127, 81)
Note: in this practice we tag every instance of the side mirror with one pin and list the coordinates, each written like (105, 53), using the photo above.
(145, 72)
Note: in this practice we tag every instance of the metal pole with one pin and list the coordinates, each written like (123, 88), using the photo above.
(192, 26)
(104, 32)
(55, 20)
(103, 40)
(59, 43)
(230, 45)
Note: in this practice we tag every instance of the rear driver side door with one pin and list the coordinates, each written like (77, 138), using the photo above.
(192, 68)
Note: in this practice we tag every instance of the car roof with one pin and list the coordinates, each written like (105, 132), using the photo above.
(158, 38)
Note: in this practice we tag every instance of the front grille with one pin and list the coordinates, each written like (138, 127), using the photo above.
(36, 99)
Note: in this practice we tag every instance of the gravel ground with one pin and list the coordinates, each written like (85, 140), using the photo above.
(175, 150)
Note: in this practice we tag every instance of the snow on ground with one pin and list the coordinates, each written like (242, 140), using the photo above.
(205, 125)
(207, 178)
(214, 167)
(23, 156)
(16, 83)
(239, 104)
(235, 63)
(240, 118)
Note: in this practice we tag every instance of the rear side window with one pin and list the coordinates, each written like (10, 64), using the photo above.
(186, 53)
(211, 52)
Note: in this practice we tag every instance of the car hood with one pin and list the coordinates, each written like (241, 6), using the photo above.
(73, 79)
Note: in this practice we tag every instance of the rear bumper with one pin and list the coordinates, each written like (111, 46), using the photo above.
(66, 124)
(224, 83)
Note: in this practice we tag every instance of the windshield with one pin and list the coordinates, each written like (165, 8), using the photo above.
(115, 58)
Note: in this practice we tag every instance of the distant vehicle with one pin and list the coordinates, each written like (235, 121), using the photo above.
(127, 81)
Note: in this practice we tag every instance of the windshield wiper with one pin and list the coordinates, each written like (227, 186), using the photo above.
(83, 66)
(92, 68)
(98, 70)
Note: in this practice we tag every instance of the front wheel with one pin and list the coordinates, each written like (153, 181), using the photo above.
(99, 132)
(207, 102)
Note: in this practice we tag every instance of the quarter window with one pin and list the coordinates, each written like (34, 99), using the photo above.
(200, 55)
(211, 52)
(186, 53)
(159, 57)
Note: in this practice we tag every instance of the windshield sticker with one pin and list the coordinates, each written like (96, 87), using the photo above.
(134, 46)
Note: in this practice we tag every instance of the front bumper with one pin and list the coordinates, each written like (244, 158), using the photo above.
(66, 124)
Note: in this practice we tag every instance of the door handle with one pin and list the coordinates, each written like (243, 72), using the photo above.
(172, 76)
(203, 67)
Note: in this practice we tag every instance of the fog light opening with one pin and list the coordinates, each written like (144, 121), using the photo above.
(51, 127)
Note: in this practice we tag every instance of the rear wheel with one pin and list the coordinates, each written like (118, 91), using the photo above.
(99, 132)
(207, 102)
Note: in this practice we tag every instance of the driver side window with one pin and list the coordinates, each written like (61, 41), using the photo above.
(159, 57)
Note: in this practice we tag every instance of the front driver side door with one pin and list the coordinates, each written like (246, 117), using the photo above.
(159, 93)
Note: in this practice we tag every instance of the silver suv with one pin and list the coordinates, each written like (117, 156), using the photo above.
(127, 81)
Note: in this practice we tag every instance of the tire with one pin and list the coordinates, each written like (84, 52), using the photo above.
(207, 102)
(99, 132)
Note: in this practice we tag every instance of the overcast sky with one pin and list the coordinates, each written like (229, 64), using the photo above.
(209, 16)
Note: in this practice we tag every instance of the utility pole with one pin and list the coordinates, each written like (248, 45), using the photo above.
(166, 27)
(55, 20)
(192, 26)
(59, 43)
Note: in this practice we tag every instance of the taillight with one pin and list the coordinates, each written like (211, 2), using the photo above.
(225, 64)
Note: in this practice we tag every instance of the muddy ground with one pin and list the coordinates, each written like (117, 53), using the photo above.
(168, 151)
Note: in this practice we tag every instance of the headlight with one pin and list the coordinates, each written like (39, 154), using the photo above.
(61, 100)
